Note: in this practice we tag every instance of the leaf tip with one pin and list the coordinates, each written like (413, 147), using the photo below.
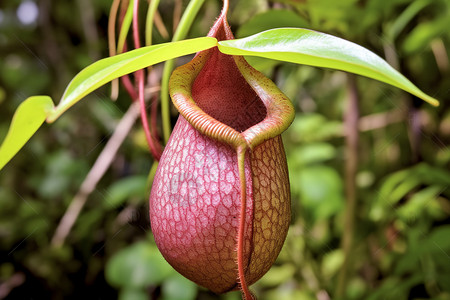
(434, 102)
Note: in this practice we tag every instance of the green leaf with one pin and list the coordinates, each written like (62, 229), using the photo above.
(124, 189)
(137, 266)
(438, 240)
(405, 17)
(312, 127)
(419, 203)
(332, 263)
(107, 69)
(313, 48)
(321, 190)
(27, 119)
(313, 153)
(277, 275)
(424, 33)
(133, 294)
(177, 287)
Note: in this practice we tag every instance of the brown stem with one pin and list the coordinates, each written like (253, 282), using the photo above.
(414, 132)
(102, 164)
(160, 26)
(351, 117)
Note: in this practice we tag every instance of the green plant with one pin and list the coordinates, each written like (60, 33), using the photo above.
(43, 104)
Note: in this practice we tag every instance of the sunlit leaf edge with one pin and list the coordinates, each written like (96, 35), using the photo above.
(308, 47)
(107, 69)
(27, 119)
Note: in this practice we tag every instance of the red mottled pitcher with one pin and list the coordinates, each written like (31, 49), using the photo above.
(220, 201)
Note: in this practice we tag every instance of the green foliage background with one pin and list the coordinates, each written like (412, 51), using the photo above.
(401, 234)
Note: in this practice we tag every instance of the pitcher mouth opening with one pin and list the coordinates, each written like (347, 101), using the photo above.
(221, 91)
(223, 97)
(232, 102)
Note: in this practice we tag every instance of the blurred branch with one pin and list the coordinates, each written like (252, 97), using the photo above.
(102, 164)
(390, 53)
(15, 280)
(440, 54)
(89, 28)
(51, 47)
(414, 131)
(381, 120)
(112, 44)
(177, 14)
(160, 26)
(351, 117)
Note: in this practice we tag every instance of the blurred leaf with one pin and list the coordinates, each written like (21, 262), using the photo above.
(419, 202)
(313, 153)
(429, 269)
(429, 258)
(332, 15)
(395, 288)
(288, 293)
(177, 287)
(277, 275)
(271, 19)
(245, 9)
(107, 69)
(399, 184)
(124, 189)
(303, 46)
(27, 119)
(405, 17)
(313, 127)
(86, 221)
(332, 262)
(137, 266)
(133, 294)
(320, 190)
(356, 288)
(424, 33)
(439, 240)
(61, 175)
(233, 295)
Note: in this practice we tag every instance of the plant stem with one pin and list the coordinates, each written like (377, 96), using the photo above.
(155, 150)
(112, 44)
(181, 32)
(126, 23)
(153, 6)
(352, 136)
